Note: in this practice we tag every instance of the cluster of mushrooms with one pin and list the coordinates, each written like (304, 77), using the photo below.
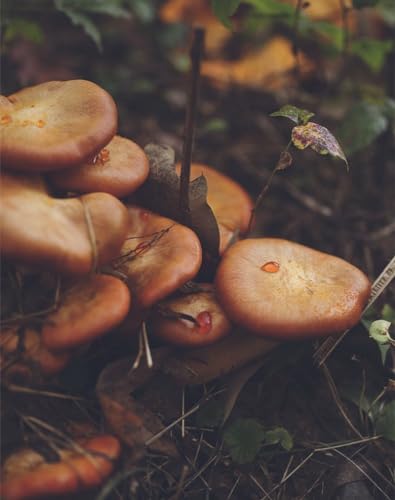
(69, 187)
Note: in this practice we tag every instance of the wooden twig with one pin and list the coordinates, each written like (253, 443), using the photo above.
(190, 119)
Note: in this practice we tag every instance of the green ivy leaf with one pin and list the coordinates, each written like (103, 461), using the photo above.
(281, 436)
(360, 4)
(319, 139)
(243, 438)
(372, 52)
(25, 29)
(385, 423)
(223, 9)
(297, 115)
(363, 123)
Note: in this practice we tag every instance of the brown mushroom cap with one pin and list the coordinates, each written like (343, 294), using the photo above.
(26, 474)
(230, 203)
(119, 169)
(87, 311)
(158, 256)
(54, 233)
(212, 324)
(55, 125)
(285, 290)
(23, 355)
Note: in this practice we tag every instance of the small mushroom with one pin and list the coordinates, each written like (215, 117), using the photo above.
(55, 125)
(230, 203)
(118, 169)
(284, 290)
(27, 475)
(158, 256)
(70, 235)
(207, 323)
(88, 310)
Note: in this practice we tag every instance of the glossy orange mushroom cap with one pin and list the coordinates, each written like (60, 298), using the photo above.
(284, 290)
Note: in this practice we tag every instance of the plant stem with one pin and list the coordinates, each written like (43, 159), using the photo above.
(258, 202)
(190, 118)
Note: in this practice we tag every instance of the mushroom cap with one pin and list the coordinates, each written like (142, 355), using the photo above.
(23, 355)
(54, 233)
(87, 310)
(284, 290)
(204, 308)
(230, 203)
(26, 474)
(55, 125)
(119, 169)
(158, 256)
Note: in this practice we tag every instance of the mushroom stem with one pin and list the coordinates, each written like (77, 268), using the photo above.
(190, 119)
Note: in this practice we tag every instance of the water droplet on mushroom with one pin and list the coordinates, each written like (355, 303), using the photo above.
(144, 215)
(204, 321)
(40, 123)
(271, 266)
(5, 119)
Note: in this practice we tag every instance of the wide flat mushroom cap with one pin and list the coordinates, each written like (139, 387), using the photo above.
(119, 169)
(158, 256)
(204, 308)
(230, 203)
(87, 311)
(285, 290)
(54, 233)
(26, 474)
(55, 125)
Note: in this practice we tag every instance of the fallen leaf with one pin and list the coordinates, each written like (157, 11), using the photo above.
(160, 193)
(128, 419)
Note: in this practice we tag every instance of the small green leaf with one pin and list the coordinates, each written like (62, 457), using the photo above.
(25, 29)
(318, 138)
(379, 331)
(385, 423)
(297, 115)
(360, 4)
(243, 438)
(223, 9)
(281, 436)
(372, 52)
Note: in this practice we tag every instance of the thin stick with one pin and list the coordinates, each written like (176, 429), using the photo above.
(190, 119)
(183, 413)
(147, 349)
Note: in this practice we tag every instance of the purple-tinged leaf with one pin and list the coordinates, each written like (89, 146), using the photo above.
(319, 139)
(297, 115)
